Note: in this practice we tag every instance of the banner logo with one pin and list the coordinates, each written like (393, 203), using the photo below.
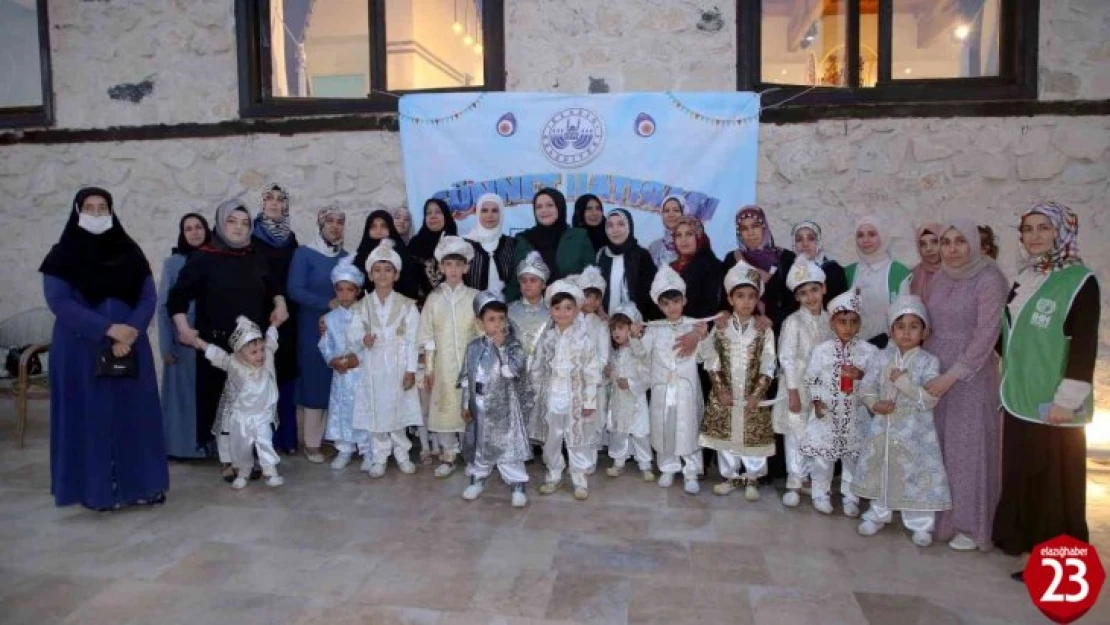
(572, 137)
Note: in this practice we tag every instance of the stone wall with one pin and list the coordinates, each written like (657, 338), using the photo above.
(185, 50)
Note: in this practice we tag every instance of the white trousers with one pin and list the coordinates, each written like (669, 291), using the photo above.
(821, 470)
(915, 521)
(348, 447)
(511, 472)
(689, 466)
(797, 465)
(448, 445)
(383, 443)
(238, 448)
(582, 459)
(622, 445)
(731, 464)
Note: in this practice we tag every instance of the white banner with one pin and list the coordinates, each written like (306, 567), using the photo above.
(631, 150)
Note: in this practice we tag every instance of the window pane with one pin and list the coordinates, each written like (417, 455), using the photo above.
(945, 38)
(802, 42)
(434, 44)
(320, 48)
(20, 68)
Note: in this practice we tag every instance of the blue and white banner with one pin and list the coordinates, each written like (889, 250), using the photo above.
(631, 150)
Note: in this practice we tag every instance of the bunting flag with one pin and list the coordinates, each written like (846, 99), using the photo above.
(631, 150)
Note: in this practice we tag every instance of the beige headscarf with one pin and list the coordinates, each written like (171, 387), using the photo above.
(880, 254)
(977, 261)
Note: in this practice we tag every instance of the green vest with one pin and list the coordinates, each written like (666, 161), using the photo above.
(896, 274)
(1036, 349)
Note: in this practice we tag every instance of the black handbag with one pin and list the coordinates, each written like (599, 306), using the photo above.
(11, 363)
(108, 365)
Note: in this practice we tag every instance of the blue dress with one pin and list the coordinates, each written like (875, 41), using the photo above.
(344, 388)
(106, 447)
(311, 288)
(179, 380)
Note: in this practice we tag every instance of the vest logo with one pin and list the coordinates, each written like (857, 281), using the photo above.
(572, 137)
(1043, 317)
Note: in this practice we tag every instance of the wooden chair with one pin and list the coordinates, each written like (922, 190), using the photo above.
(33, 328)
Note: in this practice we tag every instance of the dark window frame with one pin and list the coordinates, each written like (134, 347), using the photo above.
(41, 115)
(1017, 78)
(254, 65)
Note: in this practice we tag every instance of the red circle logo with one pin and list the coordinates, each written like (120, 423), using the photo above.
(1064, 577)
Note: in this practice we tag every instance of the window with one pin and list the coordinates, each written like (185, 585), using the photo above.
(304, 57)
(872, 51)
(25, 92)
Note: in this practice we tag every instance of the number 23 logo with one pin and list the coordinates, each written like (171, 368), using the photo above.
(1079, 577)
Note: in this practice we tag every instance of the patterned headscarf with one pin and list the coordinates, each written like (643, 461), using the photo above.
(682, 261)
(816, 229)
(276, 232)
(767, 255)
(1065, 249)
(322, 245)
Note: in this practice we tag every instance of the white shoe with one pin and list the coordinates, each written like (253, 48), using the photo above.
(851, 510)
(647, 476)
(962, 542)
(691, 487)
(274, 481)
(790, 499)
(549, 488)
(665, 480)
(724, 488)
(615, 471)
(580, 492)
(445, 469)
(751, 492)
(922, 539)
(367, 463)
(824, 506)
(869, 528)
(376, 470)
(342, 459)
(474, 491)
(407, 467)
(239, 483)
(519, 498)
(315, 456)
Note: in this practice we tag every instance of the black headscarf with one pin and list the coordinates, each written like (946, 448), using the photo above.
(634, 257)
(183, 246)
(98, 266)
(578, 220)
(423, 244)
(630, 243)
(409, 282)
(545, 239)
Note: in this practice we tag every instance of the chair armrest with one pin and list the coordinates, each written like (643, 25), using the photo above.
(25, 361)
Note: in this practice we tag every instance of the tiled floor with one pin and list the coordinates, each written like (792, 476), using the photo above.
(338, 548)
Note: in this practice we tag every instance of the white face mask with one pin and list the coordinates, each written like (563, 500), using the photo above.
(94, 224)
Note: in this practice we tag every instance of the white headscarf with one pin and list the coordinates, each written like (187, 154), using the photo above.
(488, 238)
(880, 254)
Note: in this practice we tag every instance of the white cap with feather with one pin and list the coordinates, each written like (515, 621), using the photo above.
(384, 253)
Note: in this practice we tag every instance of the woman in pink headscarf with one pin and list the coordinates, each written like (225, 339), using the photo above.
(966, 299)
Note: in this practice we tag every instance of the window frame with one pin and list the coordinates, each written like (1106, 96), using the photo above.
(255, 100)
(1017, 79)
(40, 115)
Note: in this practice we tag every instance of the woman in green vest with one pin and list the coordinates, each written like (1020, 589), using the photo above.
(879, 278)
(565, 250)
(1050, 342)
